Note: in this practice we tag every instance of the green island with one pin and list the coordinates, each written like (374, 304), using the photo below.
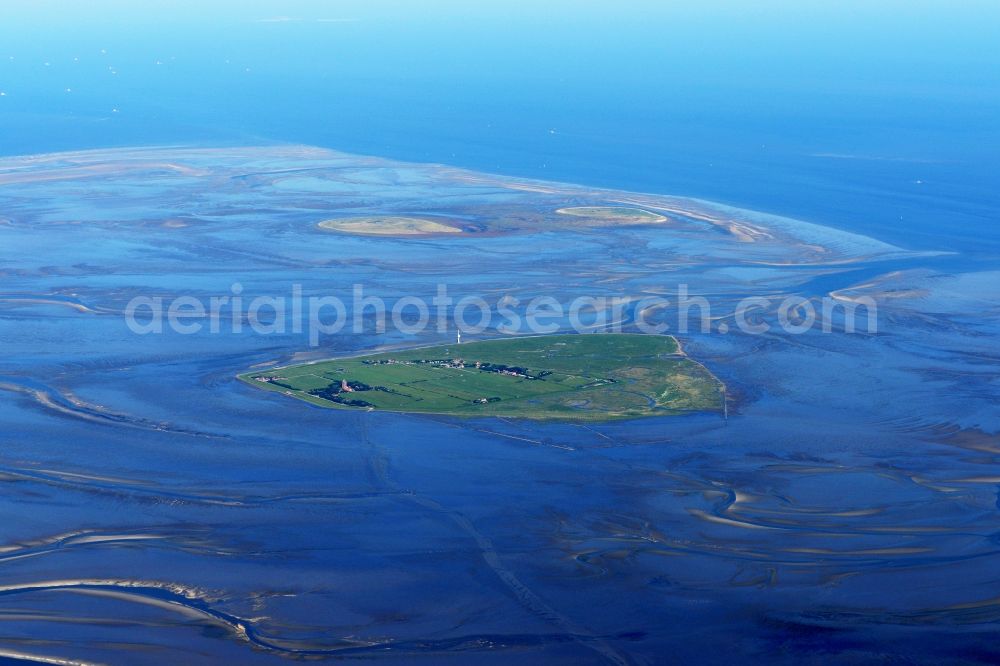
(594, 377)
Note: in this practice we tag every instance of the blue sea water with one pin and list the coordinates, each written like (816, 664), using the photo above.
(881, 118)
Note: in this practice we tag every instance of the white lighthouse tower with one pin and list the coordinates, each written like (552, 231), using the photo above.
(458, 337)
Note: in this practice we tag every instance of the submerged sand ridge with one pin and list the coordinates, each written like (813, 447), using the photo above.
(298, 188)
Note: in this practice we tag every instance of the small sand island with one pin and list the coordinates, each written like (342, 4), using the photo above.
(599, 377)
(614, 214)
(388, 226)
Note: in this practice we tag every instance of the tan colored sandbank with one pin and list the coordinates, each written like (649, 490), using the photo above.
(617, 214)
(388, 226)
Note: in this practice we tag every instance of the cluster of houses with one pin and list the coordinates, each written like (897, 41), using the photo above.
(457, 363)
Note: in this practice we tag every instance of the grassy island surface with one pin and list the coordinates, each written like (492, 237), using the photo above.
(596, 377)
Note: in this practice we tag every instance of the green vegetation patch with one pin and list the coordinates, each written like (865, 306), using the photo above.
(597, 377)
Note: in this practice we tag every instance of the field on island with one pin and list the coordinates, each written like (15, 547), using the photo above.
(585, 377)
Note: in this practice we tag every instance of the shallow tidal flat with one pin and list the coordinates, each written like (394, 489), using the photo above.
(156, 508)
